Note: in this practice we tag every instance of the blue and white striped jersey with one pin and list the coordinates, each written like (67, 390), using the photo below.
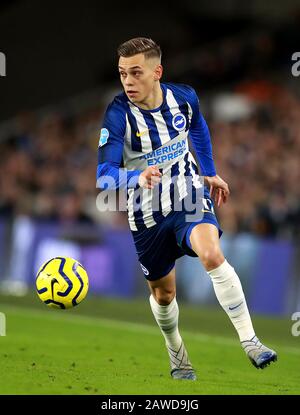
(133, 139)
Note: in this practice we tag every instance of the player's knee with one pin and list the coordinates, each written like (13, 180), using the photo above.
(164, 297)
(211, 258)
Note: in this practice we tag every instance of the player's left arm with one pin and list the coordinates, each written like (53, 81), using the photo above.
(200, 137)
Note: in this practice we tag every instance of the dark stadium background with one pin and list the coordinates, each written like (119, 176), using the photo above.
(61, 73)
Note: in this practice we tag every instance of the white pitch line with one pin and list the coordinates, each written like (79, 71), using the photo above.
(130, 326)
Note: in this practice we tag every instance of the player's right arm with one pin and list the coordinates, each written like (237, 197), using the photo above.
(110, 176)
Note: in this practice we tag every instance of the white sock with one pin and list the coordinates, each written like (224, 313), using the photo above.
(231, 297)
(166, 317)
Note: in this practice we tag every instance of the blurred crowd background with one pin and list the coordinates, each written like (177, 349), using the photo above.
(240, 65)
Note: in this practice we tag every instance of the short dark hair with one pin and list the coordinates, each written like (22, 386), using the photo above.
(139, 45)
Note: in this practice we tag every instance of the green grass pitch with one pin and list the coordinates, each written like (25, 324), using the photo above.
(113, 346)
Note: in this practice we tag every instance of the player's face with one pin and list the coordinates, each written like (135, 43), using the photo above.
(139, 76)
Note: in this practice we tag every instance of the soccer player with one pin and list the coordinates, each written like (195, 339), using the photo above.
(143, 147)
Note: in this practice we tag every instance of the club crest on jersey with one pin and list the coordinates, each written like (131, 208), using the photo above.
(104, 134)
(179, 122)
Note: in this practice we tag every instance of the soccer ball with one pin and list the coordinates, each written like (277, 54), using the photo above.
(62, 282)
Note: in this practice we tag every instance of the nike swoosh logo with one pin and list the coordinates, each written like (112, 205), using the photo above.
(236, 306)
(53, 281)
(139, 134)
(206, 211)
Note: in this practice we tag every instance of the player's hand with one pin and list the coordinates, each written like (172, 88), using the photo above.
(150, 177)
(219, 190)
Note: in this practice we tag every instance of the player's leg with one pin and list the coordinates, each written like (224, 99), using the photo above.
(204, 240)
(165, 310)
